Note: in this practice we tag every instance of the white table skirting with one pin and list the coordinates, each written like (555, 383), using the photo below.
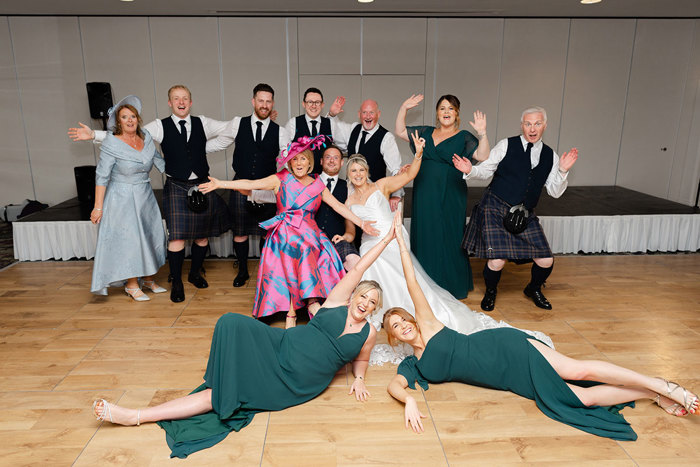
(39, 241)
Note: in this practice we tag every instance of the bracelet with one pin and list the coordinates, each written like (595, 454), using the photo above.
(481, 135)
(418, 157)
(97, 209)
(359, 377)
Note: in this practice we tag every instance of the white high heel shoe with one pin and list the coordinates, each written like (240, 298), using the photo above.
(137, 294)
(155, 288)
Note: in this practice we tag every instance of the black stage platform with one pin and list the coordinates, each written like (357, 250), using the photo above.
(576, 201)
(587, 219)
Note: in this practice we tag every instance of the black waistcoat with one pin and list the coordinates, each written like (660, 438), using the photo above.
(253, 160)
(303, 130)
(514, 181)
(371, 151)
(327, 219)
(183, 159)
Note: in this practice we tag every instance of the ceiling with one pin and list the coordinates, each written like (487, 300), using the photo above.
(435, 8)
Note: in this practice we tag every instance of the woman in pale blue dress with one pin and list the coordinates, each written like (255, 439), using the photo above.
(131, 237)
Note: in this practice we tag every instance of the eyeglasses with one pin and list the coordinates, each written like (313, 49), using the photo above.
(314, 103)
(530, 125)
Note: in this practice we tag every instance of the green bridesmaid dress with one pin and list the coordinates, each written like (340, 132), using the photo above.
(503, 359)
(439, 213)
(255, 368)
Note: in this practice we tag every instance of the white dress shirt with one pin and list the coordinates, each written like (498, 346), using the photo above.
(212, 129)
(556, 182)
(388, 147)
(291, 126)
(229, 134)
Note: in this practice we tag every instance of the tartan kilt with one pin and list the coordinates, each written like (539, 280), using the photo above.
(485, 236)
(184, 224)
(344, 249)
(245, 221)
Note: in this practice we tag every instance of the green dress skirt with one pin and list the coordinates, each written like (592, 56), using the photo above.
(503, 359)
(439, 213)
(255, 368)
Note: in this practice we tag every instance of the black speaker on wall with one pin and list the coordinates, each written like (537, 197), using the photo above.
(85, 183)
(100, 99)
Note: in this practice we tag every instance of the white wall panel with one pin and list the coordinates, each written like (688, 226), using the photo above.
(652, 117)
(52, 85)
(600, 52)
(329, 46)
(534, 61)
(177, 59)
(15, 178)
(393, 46)
(685, 173)
(254, 50)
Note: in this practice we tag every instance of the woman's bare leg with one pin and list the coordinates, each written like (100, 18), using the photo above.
(182, 407)
(291, 320)
(634, 384)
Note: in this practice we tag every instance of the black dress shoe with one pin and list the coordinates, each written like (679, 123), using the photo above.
(198, 281)
(241, 279)
(177, 292)
(489, 300)
(538, 297)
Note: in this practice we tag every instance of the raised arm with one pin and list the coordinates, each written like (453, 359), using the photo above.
(395, 182)
(397, 389)
(344, 211)
(411, 102)
(342, 291)
(425, 318)
(268, 183)
(479, 125)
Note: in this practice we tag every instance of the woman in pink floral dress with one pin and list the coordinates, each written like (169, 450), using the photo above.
(298, 264)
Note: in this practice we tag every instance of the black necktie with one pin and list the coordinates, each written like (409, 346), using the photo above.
(183, 130)
(329, 184)
(528, 152)
(258, 132)
(362, 142)
(314, 131)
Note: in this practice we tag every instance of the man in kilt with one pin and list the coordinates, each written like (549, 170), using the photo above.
(521, 166)
(258, 141)
(183, 140)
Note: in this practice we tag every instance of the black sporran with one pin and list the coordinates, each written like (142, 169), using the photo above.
(515, 221)
(196, 200)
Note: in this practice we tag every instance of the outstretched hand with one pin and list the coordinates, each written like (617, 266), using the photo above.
(568, 159)
(368, 228)
(397, 228)
(462, 164)
(412, 416)
(419, 143)
(337, 106)
(211, 185)
(84, 133)
(479, 123)
(360, 390)
(412, 101)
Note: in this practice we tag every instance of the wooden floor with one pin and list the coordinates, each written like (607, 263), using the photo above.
(61, 347)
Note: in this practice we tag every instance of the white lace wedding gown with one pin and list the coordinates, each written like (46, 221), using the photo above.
(388, 272)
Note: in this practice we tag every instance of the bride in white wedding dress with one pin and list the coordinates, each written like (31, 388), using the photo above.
(370, 201)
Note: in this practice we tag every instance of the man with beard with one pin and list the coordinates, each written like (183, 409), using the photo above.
(521, 166)
(258, 142)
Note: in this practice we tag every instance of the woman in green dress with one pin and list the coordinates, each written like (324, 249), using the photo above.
(584, 394)
(439, 212)
(254, 367)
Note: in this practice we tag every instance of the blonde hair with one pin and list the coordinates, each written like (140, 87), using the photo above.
(179, 86)
(366, 286)
(309, 157)
(360, 160)
(387, 316)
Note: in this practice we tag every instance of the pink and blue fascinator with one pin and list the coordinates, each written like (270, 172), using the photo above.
(300, 145)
